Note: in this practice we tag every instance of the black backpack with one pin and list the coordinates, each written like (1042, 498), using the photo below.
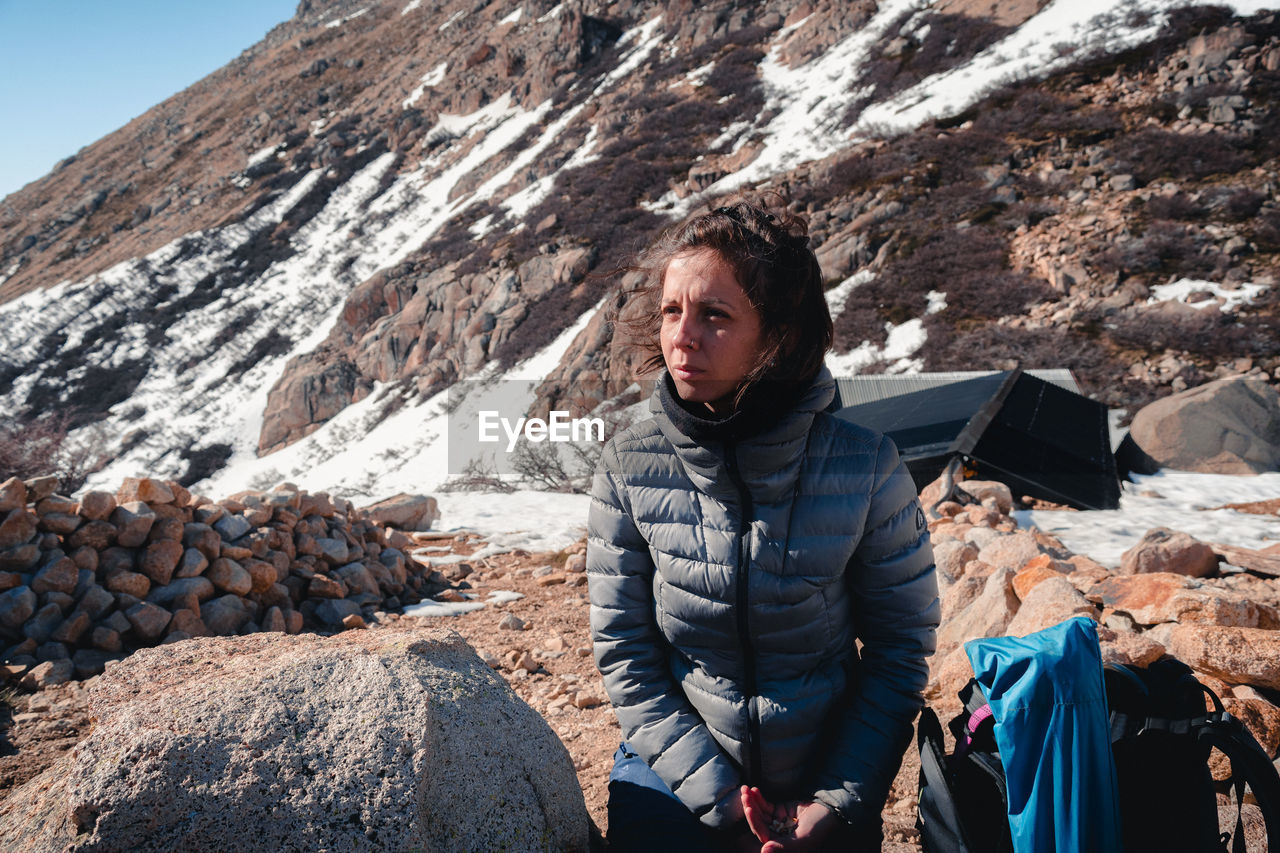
(1161, 737)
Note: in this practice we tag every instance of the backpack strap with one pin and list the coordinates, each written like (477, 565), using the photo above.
(1249, 764)
(938, 816)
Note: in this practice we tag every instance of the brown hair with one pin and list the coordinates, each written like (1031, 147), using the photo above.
(767, 248)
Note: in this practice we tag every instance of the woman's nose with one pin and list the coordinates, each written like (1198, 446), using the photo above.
(686, 333)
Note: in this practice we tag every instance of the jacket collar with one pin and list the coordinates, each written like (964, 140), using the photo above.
(768, 436)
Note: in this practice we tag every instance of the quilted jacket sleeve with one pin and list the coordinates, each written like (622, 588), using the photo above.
(657, 721)
(895, 601)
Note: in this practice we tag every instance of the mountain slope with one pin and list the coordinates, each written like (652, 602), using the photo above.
(381, 199)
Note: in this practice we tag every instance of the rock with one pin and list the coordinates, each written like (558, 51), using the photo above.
(97, 506)
(105, 638)
(17, 527)
(1231, 426)
(113, 560)
(229, 576)
(981, 490)
(404, 512)
(1127, 648)
(52, 650)
(1236, 655)
(160, 559)
(148, 620)
(1164, 550)
(1032, 574)
(1165, 597)
(575, 563)
(334, 551)
(90, 662)
(39, 488)
(189, 622)
(97, 535)
(450, 735)
(96, 601)
(274, 621)
(1012, 551)
(323, 586)
(48, 674)
(203, 538)
(61, 523)
(166, 529)
(40, 627)
(224, 616)
(987, 616)
(132, 521)
(951, 556)
(192, 564)
(13, 495)
(130, 583)
(72, 628)
(512, 622)
(59, 574)
(231, 527)
(550, 580)
(333, 611)
(144, 489)
(358, 579)
(1122, 183)
(201, 588)
(1050, 602)
(353, 621)
(19, 558)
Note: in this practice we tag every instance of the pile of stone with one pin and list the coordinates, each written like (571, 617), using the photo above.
(88, 581)
(1170, 595)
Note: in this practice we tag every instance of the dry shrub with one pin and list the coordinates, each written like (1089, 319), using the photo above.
(41, 447)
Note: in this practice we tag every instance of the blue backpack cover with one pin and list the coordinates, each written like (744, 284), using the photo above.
(1049, 704)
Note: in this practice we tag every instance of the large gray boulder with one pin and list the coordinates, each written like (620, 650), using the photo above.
(1231, 426)
(371, 740)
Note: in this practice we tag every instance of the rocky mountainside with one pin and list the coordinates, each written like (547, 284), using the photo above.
(383, 198)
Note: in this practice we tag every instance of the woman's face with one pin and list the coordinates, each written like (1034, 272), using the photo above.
(710, 331)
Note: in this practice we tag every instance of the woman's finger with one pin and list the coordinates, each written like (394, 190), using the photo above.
(753, 807)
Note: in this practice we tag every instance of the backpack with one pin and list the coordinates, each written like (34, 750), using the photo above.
(1161, 737)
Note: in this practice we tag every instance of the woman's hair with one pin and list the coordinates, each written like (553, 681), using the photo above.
(768, 250)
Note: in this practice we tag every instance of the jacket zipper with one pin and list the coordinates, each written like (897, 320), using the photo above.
(744, 632)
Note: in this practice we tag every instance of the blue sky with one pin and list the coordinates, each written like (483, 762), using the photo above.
(72, 71)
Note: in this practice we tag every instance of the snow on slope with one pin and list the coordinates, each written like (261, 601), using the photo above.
(808, 102)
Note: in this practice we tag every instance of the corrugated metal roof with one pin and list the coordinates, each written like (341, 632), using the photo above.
(855, 390)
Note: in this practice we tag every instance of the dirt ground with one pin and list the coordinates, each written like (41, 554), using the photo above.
(543, 653)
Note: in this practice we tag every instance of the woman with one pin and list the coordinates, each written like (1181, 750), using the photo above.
(740, 541)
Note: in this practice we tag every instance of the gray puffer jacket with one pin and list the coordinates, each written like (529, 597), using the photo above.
(729, 580)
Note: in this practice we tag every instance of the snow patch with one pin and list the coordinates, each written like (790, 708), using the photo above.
(1182, 289)
(1179, 500)
(554, 13)
(839, 295)
(430, 79)
(456, 16)
(644, 40)
(413, 4)
(350, 17)
(904, 340)
(513, 17)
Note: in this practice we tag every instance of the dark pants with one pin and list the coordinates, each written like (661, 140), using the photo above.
(643, 819)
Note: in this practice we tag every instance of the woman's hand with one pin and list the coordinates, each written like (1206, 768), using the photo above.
(790, 827)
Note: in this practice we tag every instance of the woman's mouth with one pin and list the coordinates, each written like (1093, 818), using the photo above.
(681, 372)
